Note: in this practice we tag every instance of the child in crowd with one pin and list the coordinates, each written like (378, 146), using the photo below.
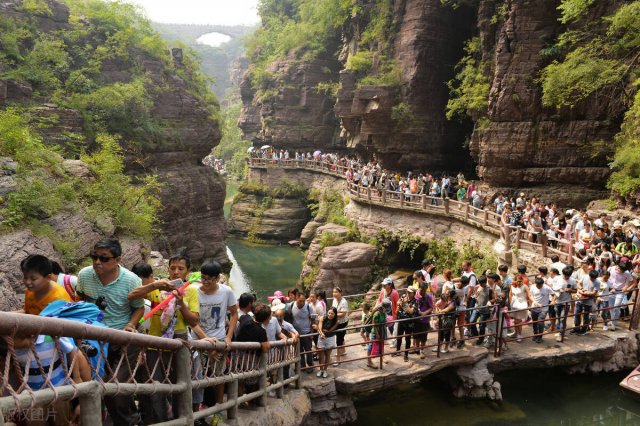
(366, 320)
(40, 290)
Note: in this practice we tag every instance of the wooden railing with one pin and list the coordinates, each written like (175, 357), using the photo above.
(487, 220)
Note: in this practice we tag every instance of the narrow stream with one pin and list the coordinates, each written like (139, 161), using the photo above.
(260, 268)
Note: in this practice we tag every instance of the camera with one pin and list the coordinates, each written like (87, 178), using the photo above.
(101, 303)
(88, 349)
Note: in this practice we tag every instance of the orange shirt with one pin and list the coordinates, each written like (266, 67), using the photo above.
(34, 307)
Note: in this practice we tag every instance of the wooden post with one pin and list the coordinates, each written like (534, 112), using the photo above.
(232, 395)
(262, 400)
(497, 350)
(298, 371)
(384, 196)
(182, 367)
(485, 219)
(440, 328)
(544, 241)
(280, 390)
(572, 251)
(90, 406)
(424, 202)
(466, 211)
(518, 237)
(369, 193)
(401, 199)
(446, 206)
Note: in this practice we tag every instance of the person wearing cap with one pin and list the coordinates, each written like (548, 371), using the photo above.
(407, 309)
(277, 295)
(618, 235)
(274, 330)
(391, 295)
(428, 268)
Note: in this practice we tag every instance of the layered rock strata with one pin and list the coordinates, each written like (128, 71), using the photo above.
(281, 221)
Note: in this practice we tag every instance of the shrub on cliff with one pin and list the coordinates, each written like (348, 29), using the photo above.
(603, 67)
(44, 188)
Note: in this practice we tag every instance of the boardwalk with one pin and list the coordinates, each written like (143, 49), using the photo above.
(483, 219)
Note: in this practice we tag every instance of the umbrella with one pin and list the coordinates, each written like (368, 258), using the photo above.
(317, 153)
(250, 149)
(265, 147)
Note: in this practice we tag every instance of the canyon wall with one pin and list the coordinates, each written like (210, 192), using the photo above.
(514, 143)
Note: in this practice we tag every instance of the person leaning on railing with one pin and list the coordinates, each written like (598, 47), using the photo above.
(108, 284)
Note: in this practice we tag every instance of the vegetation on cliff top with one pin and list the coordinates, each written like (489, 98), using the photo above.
(96, 64)
(605, 65)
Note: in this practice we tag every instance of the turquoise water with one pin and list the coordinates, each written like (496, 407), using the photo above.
(546, 397)
(267, 268)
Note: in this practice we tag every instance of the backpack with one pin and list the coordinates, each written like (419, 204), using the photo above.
(86, 313)
(288, 313)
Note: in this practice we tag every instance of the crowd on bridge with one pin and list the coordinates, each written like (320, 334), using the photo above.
(453, 311)
(597, 237)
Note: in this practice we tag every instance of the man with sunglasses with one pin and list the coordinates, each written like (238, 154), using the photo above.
(108, 284)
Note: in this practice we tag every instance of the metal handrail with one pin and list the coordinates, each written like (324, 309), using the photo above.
(90, 393)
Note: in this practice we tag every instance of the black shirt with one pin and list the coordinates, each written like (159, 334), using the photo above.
(252, 332)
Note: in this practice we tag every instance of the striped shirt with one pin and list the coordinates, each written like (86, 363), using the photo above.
(119, 308)
(52, 365)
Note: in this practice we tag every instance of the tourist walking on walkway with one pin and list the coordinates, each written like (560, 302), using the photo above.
(327, 339)
(342, 309)
(519, 301)
(622, 281)
(303, 319)
(485, 297)
(541, 294)
(390, 294)
(587, 292)
(563, 288)
(407, 310)
(447, 307)
(425, 304)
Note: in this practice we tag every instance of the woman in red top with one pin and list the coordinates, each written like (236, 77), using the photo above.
(391, 295)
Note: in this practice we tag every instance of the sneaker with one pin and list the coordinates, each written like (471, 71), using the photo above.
(558, 338)
(319, 373)
(324, 374)
(605, 328)
(512, 334)
(444, 351)
(581, 333)
(479, 342)
(200, 422)
(434, 349)
(460, 344)
(612, 327)
(574, 331)
(518, 338)
(423, 355)
(406, 358)
(335, 364)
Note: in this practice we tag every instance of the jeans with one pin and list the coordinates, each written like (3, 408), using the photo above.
(483, 315)
(581, 318)
(559, 310)
(619, 300)
(305, 346)
(539, 314)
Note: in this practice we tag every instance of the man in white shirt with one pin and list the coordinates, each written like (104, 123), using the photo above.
(587, 292)
(541, 294)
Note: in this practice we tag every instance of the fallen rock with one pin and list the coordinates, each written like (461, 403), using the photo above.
(77, 168)
(309, 231)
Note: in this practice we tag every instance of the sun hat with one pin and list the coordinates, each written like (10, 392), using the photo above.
(617, 225)
(276, 305)
(411, 289)
(277, 295)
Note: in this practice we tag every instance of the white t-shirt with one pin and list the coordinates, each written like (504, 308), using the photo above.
(273, 329)
(588, 285)
(341, 306)
(541, 296)
(619, 279)
(562, 284)
(213, 310)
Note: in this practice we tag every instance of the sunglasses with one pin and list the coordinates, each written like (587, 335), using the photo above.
(102, 259)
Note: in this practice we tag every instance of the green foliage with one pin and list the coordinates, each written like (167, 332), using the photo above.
(302, 28)
(401, 246)
(36, 7)
(625, 179)
(581, 74)
(448, 255)
(380, 29)
(573, 10)
(45, 66)
(329, 88)
(402, 114)
(232, 148)
(469, 90)
(132, 206)
(387, 74)
(285, 189)
(328, 206)
(329, 239)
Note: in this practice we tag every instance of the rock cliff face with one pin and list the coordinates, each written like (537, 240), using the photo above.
(516, 143)
(426, 48)
(291, 113)
(525, 144)
(193, 195)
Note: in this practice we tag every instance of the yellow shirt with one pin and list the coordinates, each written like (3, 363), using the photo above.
(190, 299)
(34, 307)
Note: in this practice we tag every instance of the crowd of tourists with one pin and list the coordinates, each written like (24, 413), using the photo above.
(589, 236)
(453, 311)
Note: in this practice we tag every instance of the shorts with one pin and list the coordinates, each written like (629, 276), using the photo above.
(327, 342)
(419, 330)
(340, 333)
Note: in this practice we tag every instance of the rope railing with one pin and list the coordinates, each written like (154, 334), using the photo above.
(40, 366)
(487, 220)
